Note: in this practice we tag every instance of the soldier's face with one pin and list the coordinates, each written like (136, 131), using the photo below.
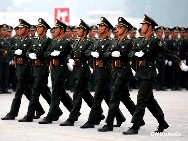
(22, 30)
(120, 30)
(80, 32)
(57, 30)
(9, 34)
(167, 34)
(32, 32)
(159, 34)
(145, 27)
(3, 33)
(101, 29)
(40, 30)
(175, 34)
(132, 34)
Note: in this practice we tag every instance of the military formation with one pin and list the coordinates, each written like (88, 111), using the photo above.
(107, 60)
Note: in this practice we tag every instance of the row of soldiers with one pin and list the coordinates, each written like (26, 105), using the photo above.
(109, 59)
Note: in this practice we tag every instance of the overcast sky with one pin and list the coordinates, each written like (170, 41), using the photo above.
(165, 12)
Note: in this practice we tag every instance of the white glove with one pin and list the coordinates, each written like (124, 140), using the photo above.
(133, 72)
(18, 52)
(115, 54)
(91, 70)
(55, 53)
(184, 61)
(70, 67)
(139, 54)
(10, 63)
(95, 54)
(157, 71)
(166, 61)
(170, 63)
(72, 62)
(184, 67)
(32, 56)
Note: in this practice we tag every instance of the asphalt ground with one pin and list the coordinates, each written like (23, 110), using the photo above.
(173, 103)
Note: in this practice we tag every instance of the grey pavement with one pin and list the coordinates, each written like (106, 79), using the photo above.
(173, 103)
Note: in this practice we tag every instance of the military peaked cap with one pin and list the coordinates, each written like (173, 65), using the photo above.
(83, 25)
(123, 22)
(176, 29)
(4, 27)
(42, 22)
(159, 28)
(167, 29)
(105, 22)
(133, 29)
(60, 24)
(149, 20)
(23, 23)
(94, 28)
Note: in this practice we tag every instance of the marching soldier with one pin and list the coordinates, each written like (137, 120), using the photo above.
(40, 70)
(118, 53)
(58, 52)
(93, 36)
(102, 74)
(132, 35)
(147, 52)
(23, 70)
(81, 73)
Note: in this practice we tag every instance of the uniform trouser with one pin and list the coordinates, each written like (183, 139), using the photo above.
(102, 91)
(12, 76)
(4, 76)
(92, 82)
(145, 99)
(81, 91)
(23, 87)
(120, 93)
(58, 94)
(161, 75)
(175, 78)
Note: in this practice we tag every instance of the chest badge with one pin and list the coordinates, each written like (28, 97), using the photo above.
(39, 45)
(160, 43)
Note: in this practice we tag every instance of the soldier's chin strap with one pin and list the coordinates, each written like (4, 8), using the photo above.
(59, 32)
(104, 30)
(147, 29)
(24, 31)
(123, 31)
